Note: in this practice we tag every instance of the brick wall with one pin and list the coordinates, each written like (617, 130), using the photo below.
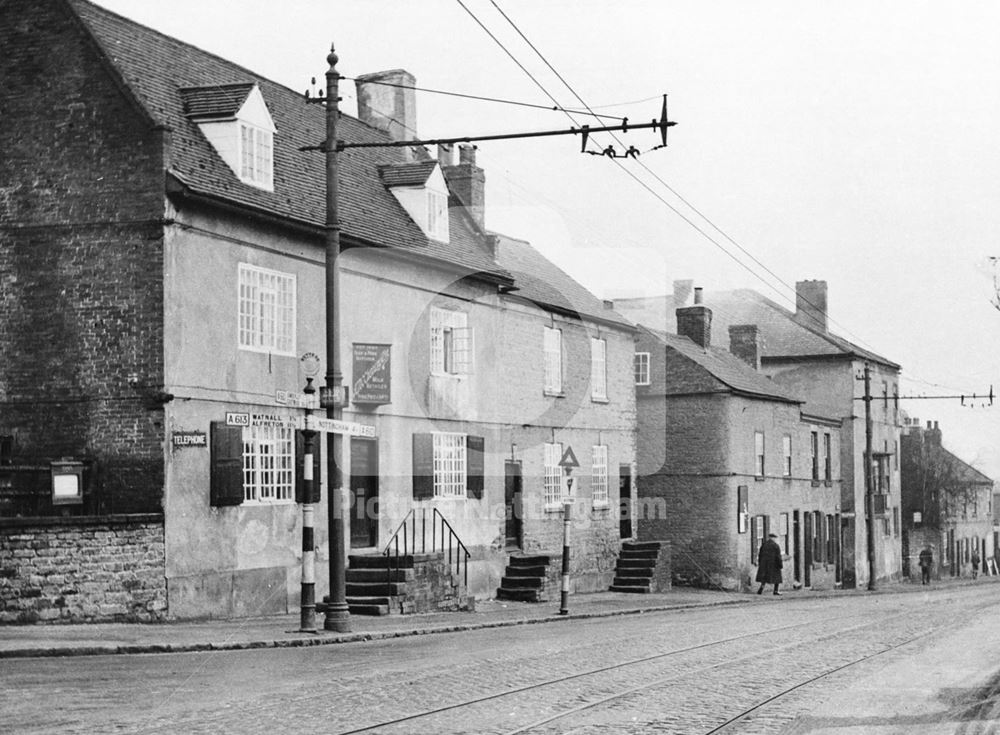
(76, 570)
(81, 267)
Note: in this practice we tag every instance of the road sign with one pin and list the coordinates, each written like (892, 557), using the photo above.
(568, 460)
(335, 426)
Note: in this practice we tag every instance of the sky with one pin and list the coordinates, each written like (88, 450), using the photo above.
(851, 142)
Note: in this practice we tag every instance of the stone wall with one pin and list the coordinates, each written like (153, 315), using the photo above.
(82, 570)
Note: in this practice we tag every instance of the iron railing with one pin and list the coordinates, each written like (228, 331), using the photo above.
(411, 538)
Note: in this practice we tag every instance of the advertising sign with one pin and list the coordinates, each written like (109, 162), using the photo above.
(372, 373)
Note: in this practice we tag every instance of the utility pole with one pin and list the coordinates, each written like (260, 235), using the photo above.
(869, 495)
(332, 395)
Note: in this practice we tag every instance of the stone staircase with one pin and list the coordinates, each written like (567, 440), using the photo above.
(421, 583)
(642, 567)
(527, 578)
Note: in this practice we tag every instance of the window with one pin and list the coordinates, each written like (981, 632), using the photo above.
(449, 465)
(266, 310)
(256, 156)
(758, 444)
(758, 532)
(437, 215)
(783, 533)
(814, 453)
(599, 475)
(452, 343)
(553, 475)
(827, 458)
(268, 463)
(817, 539)
(598, 369)
(786, 450)
(641, 368)
(831, 538)
(553, 360)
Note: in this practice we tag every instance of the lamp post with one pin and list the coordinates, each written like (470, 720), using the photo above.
(332, 396)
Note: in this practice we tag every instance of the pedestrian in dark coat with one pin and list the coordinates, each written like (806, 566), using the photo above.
(769, 564)
(926, 562)
(975, 563)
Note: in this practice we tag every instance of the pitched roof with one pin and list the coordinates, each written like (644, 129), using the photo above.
(727, 372)
(159, 71)
(539, 280)
(222, 101)
(963, 471)
(783, 335)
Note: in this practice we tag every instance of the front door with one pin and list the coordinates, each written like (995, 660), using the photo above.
(807, 542)
(512, 499)
(796, 547)
(625, 501)
(364, 492)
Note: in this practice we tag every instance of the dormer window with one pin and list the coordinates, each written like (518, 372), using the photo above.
(420, 189)
(236, 121)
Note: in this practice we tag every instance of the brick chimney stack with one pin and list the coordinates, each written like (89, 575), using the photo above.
(695, 322)
(392, 109)
(810, 304)
(744, 343)
(467, 184)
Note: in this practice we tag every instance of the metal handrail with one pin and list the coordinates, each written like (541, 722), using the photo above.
(458, 553)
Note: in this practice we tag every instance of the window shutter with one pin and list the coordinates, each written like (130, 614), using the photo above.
(300, 475)
(475, 464)
(227, 465)
(754, 542)
(423, 466)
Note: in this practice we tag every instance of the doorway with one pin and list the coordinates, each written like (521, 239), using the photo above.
(364, 492)
(625, 501)
(514, 527)
(796, 547)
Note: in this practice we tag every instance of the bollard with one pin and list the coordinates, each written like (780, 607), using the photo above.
(564, 597)
(308, 617)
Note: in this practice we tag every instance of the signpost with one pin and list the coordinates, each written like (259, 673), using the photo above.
(568, 462)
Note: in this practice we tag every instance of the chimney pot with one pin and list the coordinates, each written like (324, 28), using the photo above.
(446, 156)
(697, 294)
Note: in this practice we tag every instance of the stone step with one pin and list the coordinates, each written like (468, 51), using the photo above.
(641, 545)
(534, 560)
(520, 594)
(380, 575)
(381, 561)
(376, 589)
(639, 553)
(535, 571)
(629, 588)
(649, 564)
(369, 605)
(525, 582)
(631, 581)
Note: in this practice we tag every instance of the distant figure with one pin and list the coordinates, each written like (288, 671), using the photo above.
(769, 564)
(926, 562)
(975, 563)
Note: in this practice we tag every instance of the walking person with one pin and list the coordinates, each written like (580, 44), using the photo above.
(975, 563)
(926, 562)
(769, 564)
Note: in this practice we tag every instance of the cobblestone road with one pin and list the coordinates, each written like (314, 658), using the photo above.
(681, 671)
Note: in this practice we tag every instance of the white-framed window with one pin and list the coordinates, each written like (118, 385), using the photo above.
(758, 448)
(256, 156)
(552, 346)
(450, 465)
(266, 310)
(641, 364)
(553, 474)
(598, 369)
(452, 344)
(437, 215)
(268, 464)
(599, 475)
(786, 451)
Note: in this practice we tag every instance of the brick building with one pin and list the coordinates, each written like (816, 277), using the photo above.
(947, 504)
(727, 456)
(801, 353)
(162, 282)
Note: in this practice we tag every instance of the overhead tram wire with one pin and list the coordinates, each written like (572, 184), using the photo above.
(694, 209)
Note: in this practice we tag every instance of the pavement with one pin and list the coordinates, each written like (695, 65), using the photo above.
(282, 631)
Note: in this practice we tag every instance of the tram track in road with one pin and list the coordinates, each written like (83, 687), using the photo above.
(537, 686)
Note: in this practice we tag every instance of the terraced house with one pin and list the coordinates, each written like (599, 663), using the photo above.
(162, 272)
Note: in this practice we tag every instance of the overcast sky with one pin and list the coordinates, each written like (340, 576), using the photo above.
(853, 142)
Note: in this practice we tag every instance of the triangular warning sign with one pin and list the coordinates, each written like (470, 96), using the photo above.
(568, 458)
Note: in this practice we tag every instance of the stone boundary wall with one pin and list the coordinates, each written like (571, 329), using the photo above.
(84, 569)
